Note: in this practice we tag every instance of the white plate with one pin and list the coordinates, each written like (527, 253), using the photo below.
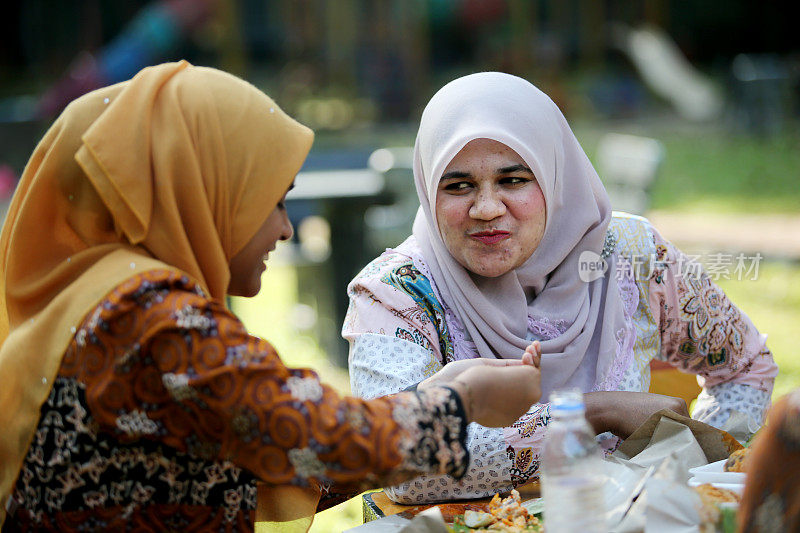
(713, 473)
(738, 488)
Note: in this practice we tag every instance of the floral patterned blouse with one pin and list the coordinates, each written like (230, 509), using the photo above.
(401, 332)
(166, 412)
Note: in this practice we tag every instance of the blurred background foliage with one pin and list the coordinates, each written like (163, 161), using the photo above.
(713, 86)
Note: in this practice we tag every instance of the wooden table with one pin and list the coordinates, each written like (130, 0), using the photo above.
(377, 504)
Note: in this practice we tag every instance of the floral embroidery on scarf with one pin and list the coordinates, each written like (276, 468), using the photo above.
(625, 336)
(545, 329)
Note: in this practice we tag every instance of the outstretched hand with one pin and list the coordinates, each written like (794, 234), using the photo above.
(495, 392)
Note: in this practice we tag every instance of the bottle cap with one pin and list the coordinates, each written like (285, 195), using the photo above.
(566, 401)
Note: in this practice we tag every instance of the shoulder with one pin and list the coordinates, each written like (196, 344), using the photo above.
(153, 286)
(630, 235)
(385, 265)
(395, 269)
(155, 300)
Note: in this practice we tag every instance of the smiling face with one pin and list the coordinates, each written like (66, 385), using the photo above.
(490, 209)
(247, 266)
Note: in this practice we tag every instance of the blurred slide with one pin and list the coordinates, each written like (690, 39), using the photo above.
(667, 72)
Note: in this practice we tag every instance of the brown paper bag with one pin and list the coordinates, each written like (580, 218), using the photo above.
(716, 444)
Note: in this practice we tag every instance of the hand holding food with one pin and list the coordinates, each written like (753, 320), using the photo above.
(451, 371)
(497, 395)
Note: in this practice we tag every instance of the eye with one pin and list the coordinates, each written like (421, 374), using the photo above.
(514, 180)
(457, 186)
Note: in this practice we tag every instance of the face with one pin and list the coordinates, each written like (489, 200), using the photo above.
(490, 208)
(248, 265)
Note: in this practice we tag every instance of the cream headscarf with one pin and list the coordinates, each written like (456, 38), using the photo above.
(176, 168)
(547, 286)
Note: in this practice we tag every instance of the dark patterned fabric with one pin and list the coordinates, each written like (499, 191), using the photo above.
(166, 411)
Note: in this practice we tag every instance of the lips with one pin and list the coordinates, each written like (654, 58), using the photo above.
(490, 237)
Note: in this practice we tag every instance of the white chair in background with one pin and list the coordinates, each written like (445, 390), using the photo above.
(628, 166)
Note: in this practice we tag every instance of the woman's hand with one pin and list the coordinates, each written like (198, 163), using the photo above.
(621, 412)
(495, 393)
(451, 371)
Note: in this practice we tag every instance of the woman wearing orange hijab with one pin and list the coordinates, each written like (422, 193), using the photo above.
(771, 499)
(129, 394)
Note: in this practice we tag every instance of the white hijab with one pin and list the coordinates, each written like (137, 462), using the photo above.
(547, 286)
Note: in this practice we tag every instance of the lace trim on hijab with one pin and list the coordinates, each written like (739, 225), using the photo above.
(626, 336)
(544, 329)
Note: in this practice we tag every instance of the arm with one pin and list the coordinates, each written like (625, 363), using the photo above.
(704, 333)
(168, 364)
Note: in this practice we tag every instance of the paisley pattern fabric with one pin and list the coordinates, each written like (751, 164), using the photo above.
(166, 412)
(683, 320)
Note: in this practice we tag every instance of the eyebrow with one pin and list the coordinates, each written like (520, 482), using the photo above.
(505, 170)
(515, 168)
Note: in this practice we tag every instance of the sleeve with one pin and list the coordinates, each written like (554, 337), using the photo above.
(382, 325)
(704, 333)
(176, 367)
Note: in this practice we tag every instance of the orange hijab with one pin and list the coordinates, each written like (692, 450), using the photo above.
(176, 168)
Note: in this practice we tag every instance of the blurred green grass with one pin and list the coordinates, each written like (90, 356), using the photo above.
(269, 316)
(727, 173)
(772, 301)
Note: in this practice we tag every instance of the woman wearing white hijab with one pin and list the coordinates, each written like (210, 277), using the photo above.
(509, 246)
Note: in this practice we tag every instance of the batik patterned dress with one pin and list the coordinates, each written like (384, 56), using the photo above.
(166, 412)
(401, 331)
(771, 500)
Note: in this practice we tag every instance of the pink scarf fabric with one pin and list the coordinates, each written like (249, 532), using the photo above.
(547, 287)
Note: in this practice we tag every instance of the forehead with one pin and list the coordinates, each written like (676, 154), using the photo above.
(479, 151)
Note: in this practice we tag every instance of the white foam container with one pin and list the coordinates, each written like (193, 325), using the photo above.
(713, 473)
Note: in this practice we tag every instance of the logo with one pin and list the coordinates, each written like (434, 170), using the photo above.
(591, 266)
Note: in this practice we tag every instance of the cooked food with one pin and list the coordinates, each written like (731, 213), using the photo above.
(737, 461)
(477, 519)
(711, 494)
(502, 515)
(711, 497)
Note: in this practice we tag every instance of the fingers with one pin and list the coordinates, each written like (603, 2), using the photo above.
(533, 354)
(498, 362)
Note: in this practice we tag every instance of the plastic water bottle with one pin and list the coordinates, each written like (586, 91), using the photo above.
(572, 469)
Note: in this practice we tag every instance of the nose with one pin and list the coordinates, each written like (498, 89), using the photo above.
(488, 205)
(287, 230)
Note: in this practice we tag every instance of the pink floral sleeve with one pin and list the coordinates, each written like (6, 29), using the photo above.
(704, 333)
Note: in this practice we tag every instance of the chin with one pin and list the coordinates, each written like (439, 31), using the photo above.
(488, 271)
(245, 292)
(252, 291)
